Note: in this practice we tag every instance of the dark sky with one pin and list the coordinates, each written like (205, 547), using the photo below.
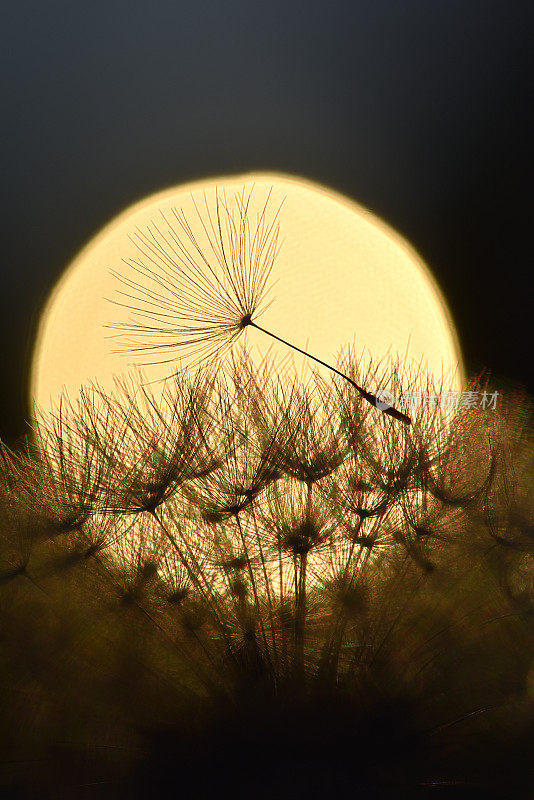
(419, 110)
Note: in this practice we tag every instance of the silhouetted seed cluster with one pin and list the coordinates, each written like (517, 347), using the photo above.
(248, 537)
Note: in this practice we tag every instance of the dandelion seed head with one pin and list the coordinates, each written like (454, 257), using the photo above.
(196, 283)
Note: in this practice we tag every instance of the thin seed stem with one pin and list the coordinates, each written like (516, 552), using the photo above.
(267, 586)
(392, 412)
(254, 587)
(300, 565)
(194, 576)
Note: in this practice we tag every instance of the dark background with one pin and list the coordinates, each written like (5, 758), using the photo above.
(417, 109)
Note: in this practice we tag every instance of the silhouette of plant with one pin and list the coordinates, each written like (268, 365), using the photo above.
(265, 577)
(247, 584)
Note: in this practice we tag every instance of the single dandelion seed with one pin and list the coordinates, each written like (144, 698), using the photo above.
(192, 299)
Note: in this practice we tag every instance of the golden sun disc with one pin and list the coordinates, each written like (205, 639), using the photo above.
(342, 279)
